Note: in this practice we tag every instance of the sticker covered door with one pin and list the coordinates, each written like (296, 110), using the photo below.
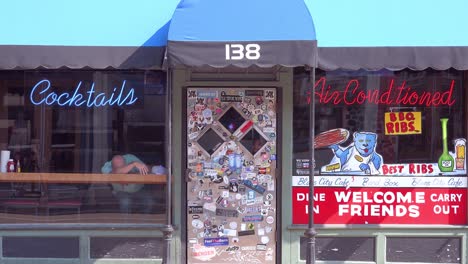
(231, 159)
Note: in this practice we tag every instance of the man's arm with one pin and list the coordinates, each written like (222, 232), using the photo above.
(142, 168)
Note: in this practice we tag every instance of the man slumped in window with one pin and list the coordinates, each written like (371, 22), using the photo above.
(131, 194)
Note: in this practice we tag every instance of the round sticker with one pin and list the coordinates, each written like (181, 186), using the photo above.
(233, 225)
(264, 239)
(258, 100)
(207, 223)
(238, 196)
(269, 197)
(270, 219)
(207, 115)
(197, 223)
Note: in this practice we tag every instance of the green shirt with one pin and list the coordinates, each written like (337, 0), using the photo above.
(128, 188)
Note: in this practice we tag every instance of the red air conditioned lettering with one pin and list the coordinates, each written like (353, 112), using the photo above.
(354, 94)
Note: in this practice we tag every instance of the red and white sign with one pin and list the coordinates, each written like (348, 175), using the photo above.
(382, 181)
(362, 205)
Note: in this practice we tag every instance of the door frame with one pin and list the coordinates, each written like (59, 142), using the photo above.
(182, 78)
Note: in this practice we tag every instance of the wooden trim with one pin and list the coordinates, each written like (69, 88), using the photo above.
(83, 178)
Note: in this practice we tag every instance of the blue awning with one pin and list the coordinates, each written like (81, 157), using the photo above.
(125, 34)
(99, 34)
(395, 34)
(242, 33)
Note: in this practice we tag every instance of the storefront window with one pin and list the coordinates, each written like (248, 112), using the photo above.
(410, 125)
(424, 249)
(87, 143)
(360, 102)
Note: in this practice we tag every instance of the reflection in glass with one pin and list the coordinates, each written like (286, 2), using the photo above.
(232, 120)
(424, 249)
(253, 141)
(210, 141)
(337, 107)
(341, 249)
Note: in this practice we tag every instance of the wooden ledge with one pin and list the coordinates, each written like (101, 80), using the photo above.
(83, 178)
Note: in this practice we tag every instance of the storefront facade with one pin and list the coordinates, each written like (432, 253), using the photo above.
(221, 119)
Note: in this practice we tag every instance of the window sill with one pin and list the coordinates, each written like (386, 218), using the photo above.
(83, 178)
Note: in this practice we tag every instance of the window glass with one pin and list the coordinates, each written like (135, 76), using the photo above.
(398, 115)
(341, 248)
(83, 142)
(34, 247)
(126, 247)
(424, 249)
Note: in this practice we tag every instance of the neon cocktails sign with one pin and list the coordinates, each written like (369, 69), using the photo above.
(41, 94)
(353, 94)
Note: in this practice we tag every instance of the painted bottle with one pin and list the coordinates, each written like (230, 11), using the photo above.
(460, 146)
(446, 162)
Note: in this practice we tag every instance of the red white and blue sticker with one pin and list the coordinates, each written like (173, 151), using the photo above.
(216, 241)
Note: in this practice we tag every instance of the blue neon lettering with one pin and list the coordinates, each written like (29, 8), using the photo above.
(103, 95)
(31, 96)
(112, 96)
(90, 92)
(117, 99)
(77, 97)
(132, 100)
(90, 98)
(60, 97)
(52, 96)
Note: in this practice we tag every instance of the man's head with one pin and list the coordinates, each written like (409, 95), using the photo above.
(117, 162)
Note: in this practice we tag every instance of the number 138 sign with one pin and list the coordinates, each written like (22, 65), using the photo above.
(241, 51)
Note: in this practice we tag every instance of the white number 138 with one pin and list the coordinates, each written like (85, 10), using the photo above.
(239, 51)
